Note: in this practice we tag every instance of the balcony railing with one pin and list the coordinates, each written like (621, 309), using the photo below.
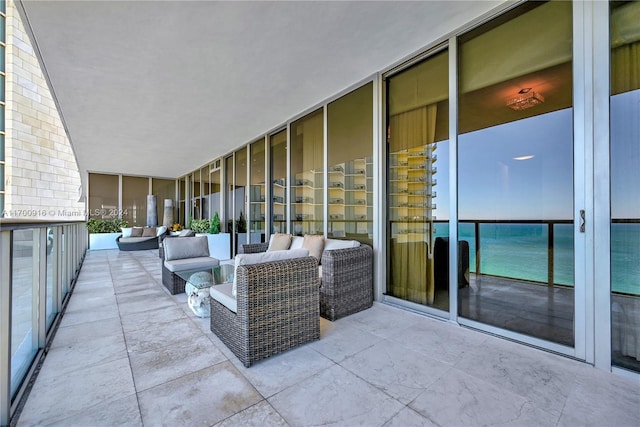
(39, 263)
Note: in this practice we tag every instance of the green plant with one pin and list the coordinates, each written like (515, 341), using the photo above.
(241, 225)
(214, 226)
(106, 225)
(200, 225)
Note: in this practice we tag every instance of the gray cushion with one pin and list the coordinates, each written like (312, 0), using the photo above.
(187, 233)
(260, 257)
(190, 247)
(222, 294)
(190, 263)
(135, 239)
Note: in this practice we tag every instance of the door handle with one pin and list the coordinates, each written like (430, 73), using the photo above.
(582, 220)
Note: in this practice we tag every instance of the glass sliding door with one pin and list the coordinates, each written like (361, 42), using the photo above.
(214, 197)
(515, 172)
(417, 135)
(307, 175)
(164, 189)
(103, 196)
(134, 200)
(240, 188)
(350, 165)
(278, 181)
(625, 191)
(206, 192)
(257, 195)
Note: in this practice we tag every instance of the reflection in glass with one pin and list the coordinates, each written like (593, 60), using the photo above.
(50, 311)
(278, 181)
(24, 336)
(307, 159)
(103, 196)
(134, 200)
(206, 191)
(228, 164)
(214, 197)
(625, 193)
(257, 193)
(239, 190)
(164, 189)
(350, 152)
(515, 173)
(418, 120)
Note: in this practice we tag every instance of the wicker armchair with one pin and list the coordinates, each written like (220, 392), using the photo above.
(347, 279)
(277, 309)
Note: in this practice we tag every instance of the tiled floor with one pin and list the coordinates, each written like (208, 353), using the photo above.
(128, 353)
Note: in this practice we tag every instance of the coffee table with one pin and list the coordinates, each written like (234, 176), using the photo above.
(199, 281)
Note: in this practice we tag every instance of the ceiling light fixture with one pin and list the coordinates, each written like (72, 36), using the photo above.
(526, 98)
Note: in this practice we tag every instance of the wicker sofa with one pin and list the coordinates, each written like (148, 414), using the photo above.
(277, 308)
(346, 275)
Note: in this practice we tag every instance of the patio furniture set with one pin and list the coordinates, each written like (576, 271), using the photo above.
(270, 297)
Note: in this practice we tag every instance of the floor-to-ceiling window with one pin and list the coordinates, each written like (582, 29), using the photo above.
(215, 193)
(350, 165)
(134, 200)
(278, 181)
(103, 196)
(164, 189)
(417, 134)
(625, 188)
(228, 194)
(515, 171)
(206, 192)
(240, 217)
(196, 191)
(307, 175)
(257, 193)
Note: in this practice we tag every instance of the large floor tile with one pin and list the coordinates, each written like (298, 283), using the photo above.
(399, 372)
(459, 399)
(601, 399)
(58, 397)
(140, 304)
(439, 340)
(201, 398)
(335, 397)
(274, 374)
(542, 378)
(261, 414)
(161, 335)
(123, 412)
(407, 417)
(344, 341)
(143, 320)
(173, 361)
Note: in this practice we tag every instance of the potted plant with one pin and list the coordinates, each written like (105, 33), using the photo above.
(214, 227)
(219, 246)
(104, 232)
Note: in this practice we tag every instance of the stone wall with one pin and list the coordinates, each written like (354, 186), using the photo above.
(42, 180)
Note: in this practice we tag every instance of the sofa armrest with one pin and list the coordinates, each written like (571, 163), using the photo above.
(347, 281)
(254, 248)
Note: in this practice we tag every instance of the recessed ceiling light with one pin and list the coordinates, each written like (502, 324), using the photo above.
(530, 156)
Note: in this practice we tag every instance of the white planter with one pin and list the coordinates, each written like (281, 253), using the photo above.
(99, 241)
(219, 245)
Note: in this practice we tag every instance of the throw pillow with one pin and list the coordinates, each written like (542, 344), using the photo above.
(161, 230)
(126, 231)
(136, 232)
(187, 233)
(247, 259)
(149, 232)
(315, 245)
(279, 242)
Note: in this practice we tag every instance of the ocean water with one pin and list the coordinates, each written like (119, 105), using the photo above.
(519, 251)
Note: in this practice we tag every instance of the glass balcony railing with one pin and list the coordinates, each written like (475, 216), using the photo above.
(39, 265)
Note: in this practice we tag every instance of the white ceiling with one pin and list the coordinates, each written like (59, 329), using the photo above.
(160, 88)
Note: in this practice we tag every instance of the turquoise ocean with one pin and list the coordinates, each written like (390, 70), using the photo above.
(519, 251)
